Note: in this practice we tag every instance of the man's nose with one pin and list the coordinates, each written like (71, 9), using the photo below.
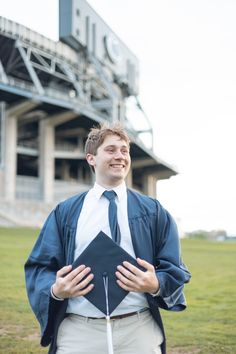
(118, 155)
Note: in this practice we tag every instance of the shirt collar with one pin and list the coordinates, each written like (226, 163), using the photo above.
(120, 190)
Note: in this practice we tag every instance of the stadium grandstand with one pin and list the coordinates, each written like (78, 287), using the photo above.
(51, 94)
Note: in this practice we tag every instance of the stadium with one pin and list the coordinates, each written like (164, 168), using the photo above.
(51, 94)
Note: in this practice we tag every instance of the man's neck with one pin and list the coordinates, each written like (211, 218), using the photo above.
(110, 186)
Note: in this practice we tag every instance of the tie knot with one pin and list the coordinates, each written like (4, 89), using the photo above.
(110, 195)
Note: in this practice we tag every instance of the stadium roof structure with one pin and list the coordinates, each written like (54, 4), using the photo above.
(59, 79)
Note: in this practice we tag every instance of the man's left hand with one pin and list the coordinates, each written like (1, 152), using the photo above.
(131, 278)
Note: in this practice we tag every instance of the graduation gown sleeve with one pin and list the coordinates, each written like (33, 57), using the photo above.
(155, 239)
(46, 258)
(171, 271)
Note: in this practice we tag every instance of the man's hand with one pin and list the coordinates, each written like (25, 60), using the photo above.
(72, 283)
(131, 278)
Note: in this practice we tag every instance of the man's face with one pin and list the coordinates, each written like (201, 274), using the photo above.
(112, 161)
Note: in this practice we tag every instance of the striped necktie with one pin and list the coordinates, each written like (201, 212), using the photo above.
(112, 213)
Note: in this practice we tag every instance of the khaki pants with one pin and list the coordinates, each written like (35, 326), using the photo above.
(138, 334)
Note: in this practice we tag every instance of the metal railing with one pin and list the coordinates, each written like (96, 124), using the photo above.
(15, 30)
(28, 188)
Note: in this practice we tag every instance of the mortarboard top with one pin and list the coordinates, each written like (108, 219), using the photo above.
(103, 256)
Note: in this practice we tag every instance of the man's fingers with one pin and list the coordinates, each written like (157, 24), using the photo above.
(63, 271)
(70, 274)
(124, 278)
(125, 272)
(75, 272)
(145, 264)
(84, 291)
(78, 274)
(131, 278)
(76, 283)
(82, 284)
(131, 268)
(124, 286)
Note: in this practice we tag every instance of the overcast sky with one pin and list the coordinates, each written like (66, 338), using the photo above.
(187, 53)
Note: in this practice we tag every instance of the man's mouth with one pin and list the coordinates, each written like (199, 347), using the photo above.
(117, 165)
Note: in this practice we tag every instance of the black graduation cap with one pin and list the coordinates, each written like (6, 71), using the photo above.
(103, 256)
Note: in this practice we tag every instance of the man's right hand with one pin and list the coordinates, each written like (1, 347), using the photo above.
(72, 283)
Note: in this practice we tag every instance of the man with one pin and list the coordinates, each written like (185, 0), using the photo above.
(69, 322)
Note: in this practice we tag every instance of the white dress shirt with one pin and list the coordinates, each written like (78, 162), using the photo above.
(93, 219)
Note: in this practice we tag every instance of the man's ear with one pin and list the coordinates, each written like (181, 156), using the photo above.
(90, 159)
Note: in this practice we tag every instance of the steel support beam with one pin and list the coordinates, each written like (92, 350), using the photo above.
(3, 76)
(30, 68)
(72, 77)
(101, 73)
(61, 118)
(22, 108)
(102, 104)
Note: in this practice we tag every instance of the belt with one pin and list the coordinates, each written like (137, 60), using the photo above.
(119, 317)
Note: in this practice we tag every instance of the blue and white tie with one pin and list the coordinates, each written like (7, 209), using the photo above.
(112, 213)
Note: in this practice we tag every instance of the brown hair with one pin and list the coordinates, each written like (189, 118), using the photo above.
(98, 134)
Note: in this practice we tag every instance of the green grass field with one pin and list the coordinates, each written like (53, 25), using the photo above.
(208, 326)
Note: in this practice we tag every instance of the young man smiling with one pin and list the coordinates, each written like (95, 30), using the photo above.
(111, 161)
(69, 322)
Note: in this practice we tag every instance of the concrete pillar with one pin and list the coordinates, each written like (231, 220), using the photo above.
(129, 179)
(46, 160)
(65, 171)
(2, 180)
(10, 157)
(2, 148)
(115, 110)
(122, 111)
(150, 185)
(13, 113)
(80, 143)
(79, 174)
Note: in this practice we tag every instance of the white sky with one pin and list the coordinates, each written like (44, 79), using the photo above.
(187, 53)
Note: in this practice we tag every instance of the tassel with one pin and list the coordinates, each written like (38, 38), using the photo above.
(109, 331)
(109, 336)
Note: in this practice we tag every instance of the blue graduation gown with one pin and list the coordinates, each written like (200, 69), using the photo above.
(154, 237)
